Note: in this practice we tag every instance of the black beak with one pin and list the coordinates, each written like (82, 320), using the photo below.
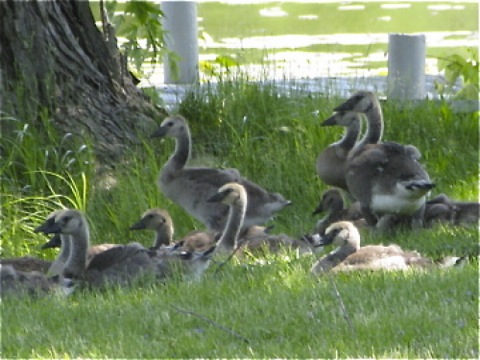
(332, 120)
(54, 242)
(160, 132)
(137, 226)
(48, 227)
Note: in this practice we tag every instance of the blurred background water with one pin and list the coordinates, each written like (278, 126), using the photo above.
(297, 41)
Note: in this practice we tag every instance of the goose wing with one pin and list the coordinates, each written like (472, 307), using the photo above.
(117, 255)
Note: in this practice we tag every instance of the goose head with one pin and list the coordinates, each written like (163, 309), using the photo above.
(343, 118)
(230, 194)
(331, 200)
(341, 234)
(173, 126)
(361, 101)
(154, 219)
(49, 221)
(158, 220)
(65, 222)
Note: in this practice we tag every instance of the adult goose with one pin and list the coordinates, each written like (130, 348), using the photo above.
(191, 187)
(235, 196)
(330, 162)
(333, 204)
(118, 265)
(349, 256)
(385, 177)
(161, 222)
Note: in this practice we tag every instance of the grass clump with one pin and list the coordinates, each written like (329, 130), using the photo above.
(273, 138)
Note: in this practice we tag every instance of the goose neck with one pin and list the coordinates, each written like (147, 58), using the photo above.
(350, 136)
(181, 155)
(344, 251)
(234, 223)
(163, 236)
(375, 124)
(79, 245)
(59, 263)
(64, 248)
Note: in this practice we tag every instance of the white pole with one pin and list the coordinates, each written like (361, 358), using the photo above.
(180, 22)
(406, 67)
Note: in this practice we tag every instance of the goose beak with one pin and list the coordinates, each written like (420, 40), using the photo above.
(318, 210)
(160, 132)
(332, 120)
(54, 242)
(48, 227)
(137, 226)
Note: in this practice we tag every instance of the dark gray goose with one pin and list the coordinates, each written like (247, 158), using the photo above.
(191, 187)
(160, 221)
(121, 264)
(385, 177)
(349, 256)
(330, 162)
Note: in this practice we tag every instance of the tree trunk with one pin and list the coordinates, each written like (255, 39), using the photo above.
(53, 57)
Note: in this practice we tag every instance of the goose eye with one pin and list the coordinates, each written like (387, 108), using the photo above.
(170, 124)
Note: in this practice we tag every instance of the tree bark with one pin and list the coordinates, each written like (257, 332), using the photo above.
(54, 58)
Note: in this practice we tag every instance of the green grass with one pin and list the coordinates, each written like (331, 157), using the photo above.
(279, 307)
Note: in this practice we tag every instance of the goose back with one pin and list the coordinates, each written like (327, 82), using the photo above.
(27, 264)
(17, 282)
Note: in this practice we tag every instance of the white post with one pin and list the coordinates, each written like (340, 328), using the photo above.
(180, 22)
(406, 67)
